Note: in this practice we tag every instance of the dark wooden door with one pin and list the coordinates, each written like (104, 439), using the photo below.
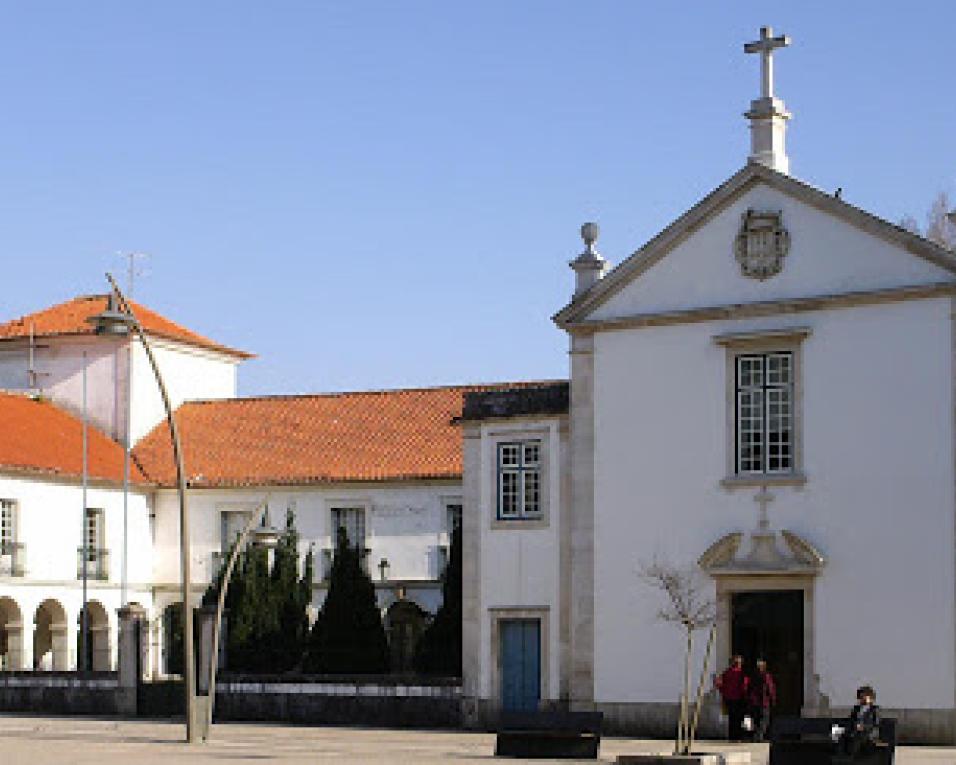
(769, 625)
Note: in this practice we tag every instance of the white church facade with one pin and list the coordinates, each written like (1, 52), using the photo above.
(764, 392)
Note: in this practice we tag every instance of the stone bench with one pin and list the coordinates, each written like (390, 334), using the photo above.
(551, 734)
(807, 741)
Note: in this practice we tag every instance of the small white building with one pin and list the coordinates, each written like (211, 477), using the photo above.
(764, 391)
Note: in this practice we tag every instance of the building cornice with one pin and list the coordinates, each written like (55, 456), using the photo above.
(765, 308)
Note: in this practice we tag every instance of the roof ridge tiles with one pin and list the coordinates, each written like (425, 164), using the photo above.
(504, 385)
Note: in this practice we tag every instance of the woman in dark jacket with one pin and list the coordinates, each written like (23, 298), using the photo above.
(864, 729)
(732, 684)
(761, 697)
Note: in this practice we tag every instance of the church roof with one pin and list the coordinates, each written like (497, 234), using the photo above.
(386, 435)
(72, 318)
(40, 438)
(697, 216)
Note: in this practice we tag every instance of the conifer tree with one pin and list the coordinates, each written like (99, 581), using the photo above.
(439, 648)
(266, 612)
(348, 636)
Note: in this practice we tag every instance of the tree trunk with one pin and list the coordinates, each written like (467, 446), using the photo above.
(700, 687)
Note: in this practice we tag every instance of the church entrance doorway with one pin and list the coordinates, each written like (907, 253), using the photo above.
(769, 625)
(520, 664)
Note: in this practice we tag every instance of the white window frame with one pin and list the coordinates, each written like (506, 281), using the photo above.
(764, 344)
(8, 522)
(361, 512)
(764, 392)
(94, 531)
(526, 470)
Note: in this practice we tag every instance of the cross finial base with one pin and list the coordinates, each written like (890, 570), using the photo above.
(768, 116)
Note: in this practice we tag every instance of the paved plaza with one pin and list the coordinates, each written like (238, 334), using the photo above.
(45, 741)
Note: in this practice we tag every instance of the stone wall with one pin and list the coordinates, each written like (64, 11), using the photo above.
(384, 701)
(59, 693)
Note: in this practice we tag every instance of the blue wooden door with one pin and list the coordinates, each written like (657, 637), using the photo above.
(520, 664)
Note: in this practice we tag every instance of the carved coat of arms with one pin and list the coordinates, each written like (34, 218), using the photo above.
(762, 244)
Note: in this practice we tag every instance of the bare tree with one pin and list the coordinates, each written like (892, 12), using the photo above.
(688, 607)
(939, 228)
(910, 224)
(940, 223)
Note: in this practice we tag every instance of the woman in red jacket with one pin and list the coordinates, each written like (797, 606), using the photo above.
(732, 685)
(761, 696)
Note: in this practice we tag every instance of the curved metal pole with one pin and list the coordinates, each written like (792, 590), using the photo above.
(189, 662)
(240, 544)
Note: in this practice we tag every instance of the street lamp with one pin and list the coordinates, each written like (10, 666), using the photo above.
(118, 319)
(263, 536)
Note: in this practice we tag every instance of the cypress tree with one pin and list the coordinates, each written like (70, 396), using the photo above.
(439, 649)
(348, 636)
(268, 621)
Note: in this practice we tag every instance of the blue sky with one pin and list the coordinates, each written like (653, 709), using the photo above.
(380, 194)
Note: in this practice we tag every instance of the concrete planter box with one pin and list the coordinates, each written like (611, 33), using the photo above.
(729, 758)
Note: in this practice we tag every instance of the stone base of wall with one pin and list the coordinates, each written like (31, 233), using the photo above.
(59, 693)
(386, 701)
(313, 709)
(659, 720)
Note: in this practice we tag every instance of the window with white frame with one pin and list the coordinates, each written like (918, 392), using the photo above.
(93, 529)
(7, 520)
(352, 519)
(765, 442)
(519, 480)
(231, 524)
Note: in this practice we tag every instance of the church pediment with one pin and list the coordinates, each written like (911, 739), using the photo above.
(761, 237)
(768, 552)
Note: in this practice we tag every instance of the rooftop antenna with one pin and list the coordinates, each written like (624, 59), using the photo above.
(134, 268)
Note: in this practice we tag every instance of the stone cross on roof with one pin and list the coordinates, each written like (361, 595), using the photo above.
(765, 46)
(768, 116)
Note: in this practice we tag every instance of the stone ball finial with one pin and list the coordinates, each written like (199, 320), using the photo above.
(589, 233)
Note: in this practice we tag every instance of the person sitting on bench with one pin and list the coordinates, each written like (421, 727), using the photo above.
(864, 729)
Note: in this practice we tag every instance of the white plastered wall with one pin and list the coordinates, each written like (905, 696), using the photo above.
(519, 566)
(188, 372)
(59, 363)
(49, 523)
(405, 523)
(878, 502)
(827, 256)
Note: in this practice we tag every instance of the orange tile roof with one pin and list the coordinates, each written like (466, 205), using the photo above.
(38, 437)
(72, 318)
(293, 440)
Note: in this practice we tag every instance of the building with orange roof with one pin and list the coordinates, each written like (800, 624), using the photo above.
(385, 465)
(42, 528)
(45, 351)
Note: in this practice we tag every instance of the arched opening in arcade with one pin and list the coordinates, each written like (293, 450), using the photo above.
(50, 644)
(98, 656)
(11, 635)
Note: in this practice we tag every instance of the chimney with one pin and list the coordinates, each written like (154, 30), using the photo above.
(768, 116)
(589, 266)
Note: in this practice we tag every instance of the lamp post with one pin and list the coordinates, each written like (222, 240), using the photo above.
(262, 536)
(118, 319)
